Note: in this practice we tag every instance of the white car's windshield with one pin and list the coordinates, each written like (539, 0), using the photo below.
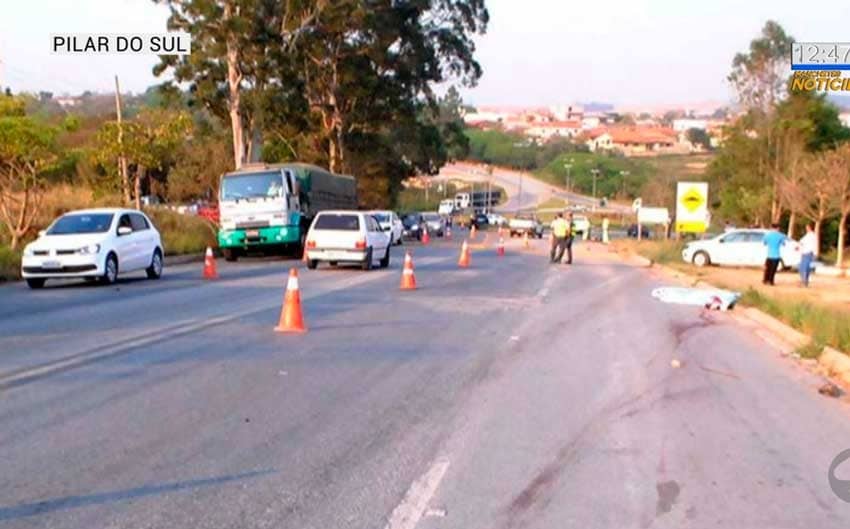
(81, 223)
(266, 184)
(382, 217)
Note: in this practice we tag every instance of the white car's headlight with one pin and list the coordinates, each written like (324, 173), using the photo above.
(91, 249)
(28, 250)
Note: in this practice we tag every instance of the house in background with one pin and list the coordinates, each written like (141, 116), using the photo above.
(636, 141)
(554, 129)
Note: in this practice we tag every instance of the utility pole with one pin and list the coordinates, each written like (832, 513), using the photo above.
(122, 160)
(595, 173)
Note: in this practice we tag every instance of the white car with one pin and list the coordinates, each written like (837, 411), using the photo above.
(391, 223)
(581, 224)
(344, 236)
(94, 244)
(741, 247)
(494, 219)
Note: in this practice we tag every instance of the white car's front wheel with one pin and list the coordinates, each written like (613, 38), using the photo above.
(701, 259)
(154, 271)
(110, 270)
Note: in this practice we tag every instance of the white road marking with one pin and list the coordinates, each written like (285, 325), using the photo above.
(514, 338)
(411, 509)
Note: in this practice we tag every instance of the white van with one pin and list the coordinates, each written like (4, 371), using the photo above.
(447, 207)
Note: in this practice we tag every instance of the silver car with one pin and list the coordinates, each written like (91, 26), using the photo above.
(435, 222)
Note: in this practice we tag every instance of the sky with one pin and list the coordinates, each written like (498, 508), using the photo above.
(637, 53)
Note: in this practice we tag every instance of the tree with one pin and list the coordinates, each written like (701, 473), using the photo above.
(813, 194)
(838, 166)
(27, 152)
(699, 137)
(200, 163)
(150, 143)
(760, 78)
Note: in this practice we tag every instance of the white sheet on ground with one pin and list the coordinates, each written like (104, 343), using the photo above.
(710, 298)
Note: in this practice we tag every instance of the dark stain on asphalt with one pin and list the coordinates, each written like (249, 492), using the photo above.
(681, 328)
(668, 493)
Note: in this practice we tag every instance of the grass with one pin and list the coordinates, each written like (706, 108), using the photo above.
(825, 324)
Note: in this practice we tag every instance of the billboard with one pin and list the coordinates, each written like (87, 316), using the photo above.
(691, 207)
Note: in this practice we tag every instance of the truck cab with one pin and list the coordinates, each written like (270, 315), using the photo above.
(260, 210)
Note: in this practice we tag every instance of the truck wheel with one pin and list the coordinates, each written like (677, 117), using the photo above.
(230, 255)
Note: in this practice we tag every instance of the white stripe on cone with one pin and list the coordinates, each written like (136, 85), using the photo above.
(292, 284)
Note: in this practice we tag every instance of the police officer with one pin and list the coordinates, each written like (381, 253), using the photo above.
(560, 232)
(568, 242)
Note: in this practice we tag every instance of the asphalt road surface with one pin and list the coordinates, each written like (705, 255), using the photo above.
(513, 394)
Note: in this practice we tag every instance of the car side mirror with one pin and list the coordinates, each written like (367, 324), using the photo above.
(124, 230)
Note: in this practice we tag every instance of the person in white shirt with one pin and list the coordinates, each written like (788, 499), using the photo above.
(808, 249)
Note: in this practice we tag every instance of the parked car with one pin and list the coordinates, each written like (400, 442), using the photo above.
(739, 247)
(346, 236)
(435, 223)
(524, 223)
(632, 231)
(390, 223)
(412, 224)
(95, 244)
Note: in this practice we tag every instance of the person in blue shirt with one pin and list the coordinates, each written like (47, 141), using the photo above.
(774, 240)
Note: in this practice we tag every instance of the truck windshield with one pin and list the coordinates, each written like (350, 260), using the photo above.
(267, 184)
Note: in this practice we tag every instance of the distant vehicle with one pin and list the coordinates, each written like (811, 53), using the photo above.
(478, 219)
(632, 231)
(390, 223)
(447, 207)
(413, 224)
(436, 224)
(478, 199)
(739, 247)
(525, 223)
(495, 219)
(347, 236)
(581, 225)
(94, 244)
(268, 207)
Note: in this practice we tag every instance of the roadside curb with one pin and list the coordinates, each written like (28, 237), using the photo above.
(836, 364)
(172, 260)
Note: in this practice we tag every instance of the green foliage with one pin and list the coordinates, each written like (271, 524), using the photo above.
(10, 263)
(199, 164)
(182, 234)
(699, 137)
(618, 176)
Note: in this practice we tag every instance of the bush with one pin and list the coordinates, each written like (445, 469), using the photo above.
(10, 264)
(182, 234)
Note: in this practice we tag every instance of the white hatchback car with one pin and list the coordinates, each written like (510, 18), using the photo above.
(347, 237)
(390, 223)
(94, 244)
(742, 247)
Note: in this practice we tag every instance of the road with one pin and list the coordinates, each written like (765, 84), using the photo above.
(513, 394)
(534, 191)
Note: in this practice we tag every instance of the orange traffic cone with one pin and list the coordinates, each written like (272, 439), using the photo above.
(210, 271)
(291, 318)
(472, 232)
(500, 250)
(463, 262)
(425, 237)
(408, 280)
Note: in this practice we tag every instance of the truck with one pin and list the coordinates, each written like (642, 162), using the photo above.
(268, 208)
(525, 223)
(478, 199)
(447, 207)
